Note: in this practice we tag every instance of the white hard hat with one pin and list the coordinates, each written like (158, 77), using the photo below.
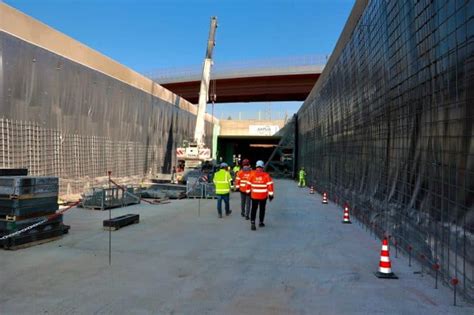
(260, 163)
(224, 164)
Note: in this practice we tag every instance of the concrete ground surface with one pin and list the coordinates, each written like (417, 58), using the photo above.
(176, 262)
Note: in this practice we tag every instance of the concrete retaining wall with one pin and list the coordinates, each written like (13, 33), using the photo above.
(66, 110)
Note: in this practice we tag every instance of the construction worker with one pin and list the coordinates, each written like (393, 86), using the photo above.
(235, 170)
(302, 178)
(260, 187)
(222, 181)
(231, 172)
(241, 181)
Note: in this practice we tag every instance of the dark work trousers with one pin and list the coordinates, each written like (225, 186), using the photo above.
(245, 204)
(255, 204)
(224, 198)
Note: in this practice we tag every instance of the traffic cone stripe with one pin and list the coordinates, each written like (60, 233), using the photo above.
(385, 266)
(346, 218)
(325, 198)
(385, 270)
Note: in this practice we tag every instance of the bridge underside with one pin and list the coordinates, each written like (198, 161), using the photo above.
(295, 87)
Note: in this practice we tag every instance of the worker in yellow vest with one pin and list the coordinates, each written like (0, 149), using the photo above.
(302, 178)
(222, 180)
(235, 170)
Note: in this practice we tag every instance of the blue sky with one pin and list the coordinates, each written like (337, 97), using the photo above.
(152, 34)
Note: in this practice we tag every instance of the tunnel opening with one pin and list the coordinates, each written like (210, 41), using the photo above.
(253, 148)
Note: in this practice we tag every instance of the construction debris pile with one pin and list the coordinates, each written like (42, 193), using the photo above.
(24, 201)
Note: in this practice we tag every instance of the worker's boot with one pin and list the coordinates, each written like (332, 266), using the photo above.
(220, 215)
(253, 228)
(261, 224)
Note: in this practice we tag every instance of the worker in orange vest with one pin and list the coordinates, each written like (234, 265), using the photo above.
(241, 180)
(260, 187)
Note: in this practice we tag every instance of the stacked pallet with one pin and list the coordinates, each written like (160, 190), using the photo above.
(24, 201)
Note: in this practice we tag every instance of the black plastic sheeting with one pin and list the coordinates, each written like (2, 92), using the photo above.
(390, 131)
(60, 118)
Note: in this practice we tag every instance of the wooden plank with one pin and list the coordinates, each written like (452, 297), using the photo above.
(121, 221)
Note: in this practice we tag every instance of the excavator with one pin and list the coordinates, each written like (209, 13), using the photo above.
(193, 153)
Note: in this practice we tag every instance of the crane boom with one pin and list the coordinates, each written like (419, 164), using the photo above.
(193, 153)
(199, 131)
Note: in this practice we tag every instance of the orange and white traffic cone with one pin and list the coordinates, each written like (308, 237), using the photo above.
(325, 198)
(311, 190)
(346, 218)
(385, 267)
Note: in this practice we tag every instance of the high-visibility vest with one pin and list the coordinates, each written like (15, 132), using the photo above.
(222, 182)
(236, 169)
(242, 179)
(260, 185)
(302, 174)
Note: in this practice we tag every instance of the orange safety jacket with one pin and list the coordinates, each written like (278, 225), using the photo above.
(260, 185)
(242, 179)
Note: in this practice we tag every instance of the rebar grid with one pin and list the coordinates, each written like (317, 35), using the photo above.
(390, 131)
(78, 160)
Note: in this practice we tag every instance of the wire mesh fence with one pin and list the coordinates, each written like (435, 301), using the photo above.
(49, 152)
(390, 131)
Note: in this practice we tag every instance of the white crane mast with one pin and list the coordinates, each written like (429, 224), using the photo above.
(199, 132)
(194, 152)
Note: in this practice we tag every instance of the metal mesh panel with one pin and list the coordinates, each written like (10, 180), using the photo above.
(390, 130)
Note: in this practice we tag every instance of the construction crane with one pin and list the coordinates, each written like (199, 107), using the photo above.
(195, 152)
